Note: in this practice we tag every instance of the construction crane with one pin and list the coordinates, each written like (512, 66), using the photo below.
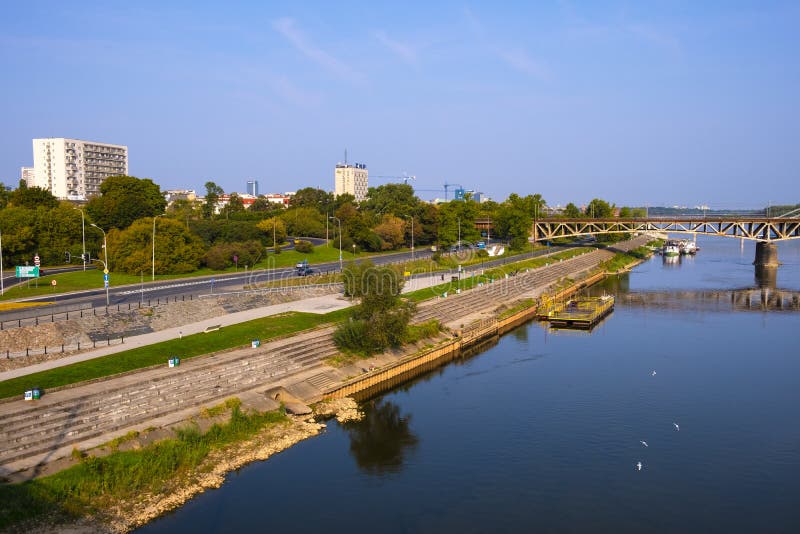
(406, 178)
(446, 186)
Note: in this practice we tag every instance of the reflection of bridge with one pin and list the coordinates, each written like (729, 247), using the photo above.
(765, 231)
(750, 299)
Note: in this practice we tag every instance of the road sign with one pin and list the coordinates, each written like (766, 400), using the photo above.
(105, 278)
(27, 271)
(105, 284)
(105, 271)
(53, 283)
(36, 261)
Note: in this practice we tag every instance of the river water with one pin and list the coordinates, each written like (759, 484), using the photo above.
(541, 431)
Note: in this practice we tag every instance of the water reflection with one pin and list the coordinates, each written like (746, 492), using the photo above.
(767, 276)
(380, 442)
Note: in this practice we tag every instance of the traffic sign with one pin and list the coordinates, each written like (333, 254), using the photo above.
(105, 271)
(54, 283)
(105, 284)
(105, 278)
(27, 271)
(36, 261)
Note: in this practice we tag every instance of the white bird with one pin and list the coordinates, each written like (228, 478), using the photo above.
(653, 374)
(643, 443)
(677, 428)
(639, 466)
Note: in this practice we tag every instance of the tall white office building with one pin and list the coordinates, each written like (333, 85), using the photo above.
(72, 169)
(352, 179)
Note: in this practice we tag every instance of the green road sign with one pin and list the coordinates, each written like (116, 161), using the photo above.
(27, 271)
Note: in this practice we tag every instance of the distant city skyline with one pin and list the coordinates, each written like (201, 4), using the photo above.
(683, 103)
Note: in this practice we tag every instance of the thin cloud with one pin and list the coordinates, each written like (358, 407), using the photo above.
(405, 52)
(654, 36)
(286, 27)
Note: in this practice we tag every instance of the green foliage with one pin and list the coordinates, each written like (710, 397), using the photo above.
(96, 483)
(304, 247)
(177, 250)
(313, 198)
(454, 215)
(222, 231)
(274, 229)
(220, 256)
(418, 332)
(391, 199)
(572, 211)
(124, 199)
(381, 318)
(213, 192)
(304, 222)
(32, 197)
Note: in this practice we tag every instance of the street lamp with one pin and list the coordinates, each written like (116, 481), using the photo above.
(412, 235)
(105, 255)
(154, 246)
(83, 238)
(338, 220)
(459, 234)
(2, 287)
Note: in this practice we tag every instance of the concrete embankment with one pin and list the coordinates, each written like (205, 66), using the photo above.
(34, 434)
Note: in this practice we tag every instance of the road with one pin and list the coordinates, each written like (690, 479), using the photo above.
(195, 286)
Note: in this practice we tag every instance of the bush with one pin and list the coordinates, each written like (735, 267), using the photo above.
(220, 256)
(303, 247)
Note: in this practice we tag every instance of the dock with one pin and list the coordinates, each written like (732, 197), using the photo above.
(580, 312)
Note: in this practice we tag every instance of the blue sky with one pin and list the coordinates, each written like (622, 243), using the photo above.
(656, 103)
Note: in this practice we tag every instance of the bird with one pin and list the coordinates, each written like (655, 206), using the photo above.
(653, 373)
(639, 466)
(643, 443)
(677, 428)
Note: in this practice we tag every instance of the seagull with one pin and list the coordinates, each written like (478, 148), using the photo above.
(639, 466)
(653, 373)
(677, 428)
(643, 443)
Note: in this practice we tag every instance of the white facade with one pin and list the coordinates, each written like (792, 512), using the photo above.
(26, 174)
(352, 179)
(73, 169)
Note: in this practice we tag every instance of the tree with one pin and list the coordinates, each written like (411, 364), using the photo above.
(599, 209)
(381, 440)
(395, 199)
(273, 227)
(572, 211)
(177, 250)
(391, 230)
(213, 192)
(381, 318)
(304, 222)
(19, 244)
(311, 197)
(235, 205)
(454, 215)
(5, 195)
(32, 197)
(124, 199)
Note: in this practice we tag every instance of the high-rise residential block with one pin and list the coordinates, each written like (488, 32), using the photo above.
(73, 169)
(352, 179)
(26, 175)
(252, 187)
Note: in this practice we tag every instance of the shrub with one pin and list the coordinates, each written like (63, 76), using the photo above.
(304, 247)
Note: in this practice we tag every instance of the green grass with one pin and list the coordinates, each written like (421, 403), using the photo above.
(99, 483)
(157, 354)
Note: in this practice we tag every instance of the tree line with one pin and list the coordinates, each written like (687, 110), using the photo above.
(190, 235)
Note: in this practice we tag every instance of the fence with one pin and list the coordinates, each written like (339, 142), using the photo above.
(60, 349)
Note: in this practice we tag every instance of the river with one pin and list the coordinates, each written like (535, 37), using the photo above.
(542, 430)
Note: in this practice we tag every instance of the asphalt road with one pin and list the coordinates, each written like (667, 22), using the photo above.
(196, 286)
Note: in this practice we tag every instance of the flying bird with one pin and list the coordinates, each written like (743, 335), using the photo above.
(643, 443)
(639, 466)
(677, 428)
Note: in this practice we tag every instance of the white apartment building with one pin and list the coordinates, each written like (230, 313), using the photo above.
(72, 169)
(26, 174)
(352, 179)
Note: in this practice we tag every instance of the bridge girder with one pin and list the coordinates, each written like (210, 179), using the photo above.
(756, 229)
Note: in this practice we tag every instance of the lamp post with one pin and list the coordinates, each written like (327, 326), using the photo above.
(2, 282)
(83, 238)
(459, 234)
(105, 255)
(339, 221)
(412, 235)
(354, 250)
(154, 246)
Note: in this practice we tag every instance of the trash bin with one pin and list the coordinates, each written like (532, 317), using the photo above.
(29, 395)
(37, 393)
(174, 361)
(255, 343)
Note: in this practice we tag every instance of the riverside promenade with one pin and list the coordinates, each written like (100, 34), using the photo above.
(86, 416)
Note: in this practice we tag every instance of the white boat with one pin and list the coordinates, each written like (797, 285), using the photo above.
(671, 248)
(688, 247)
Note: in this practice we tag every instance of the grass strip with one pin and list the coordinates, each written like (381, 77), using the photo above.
(229, 337)
(97, 483)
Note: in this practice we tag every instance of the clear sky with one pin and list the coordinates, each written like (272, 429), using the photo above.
(656, 103)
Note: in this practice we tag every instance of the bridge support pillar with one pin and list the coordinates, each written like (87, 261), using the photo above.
(766, 254)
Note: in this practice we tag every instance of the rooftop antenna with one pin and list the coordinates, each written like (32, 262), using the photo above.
(345, 156)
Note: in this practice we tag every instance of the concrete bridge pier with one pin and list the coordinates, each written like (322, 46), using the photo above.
(766, 254)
